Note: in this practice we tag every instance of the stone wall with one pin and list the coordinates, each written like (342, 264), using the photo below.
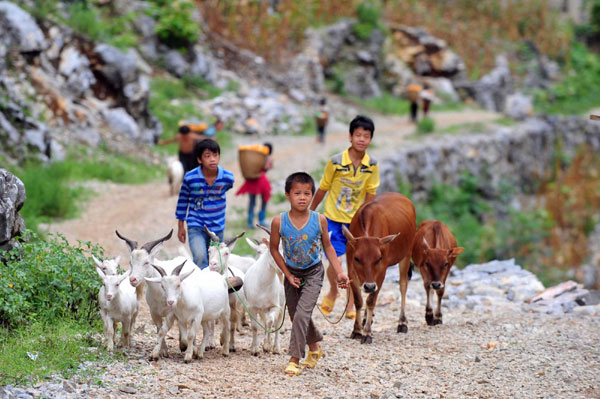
(518, 155)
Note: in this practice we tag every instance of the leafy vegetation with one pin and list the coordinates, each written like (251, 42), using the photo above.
(174, 24)
(50, 194)
(45, 281)
(578, 91)
(386, 104)
(368, 15)
(425, 126)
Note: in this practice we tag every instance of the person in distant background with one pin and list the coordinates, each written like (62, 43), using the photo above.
(186, 139)
(321, 119)
(260, 186)
(211, 131)
(426, 99)
(413, 93)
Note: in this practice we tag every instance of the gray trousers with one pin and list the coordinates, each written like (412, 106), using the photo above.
(300, 303)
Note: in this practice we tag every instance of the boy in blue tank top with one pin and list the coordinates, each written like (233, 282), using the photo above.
(303, 233)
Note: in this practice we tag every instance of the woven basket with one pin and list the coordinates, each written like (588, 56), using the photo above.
(413, 92)
(252, 160)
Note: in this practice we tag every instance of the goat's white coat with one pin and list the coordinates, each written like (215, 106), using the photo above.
(194, 299)
(265, 297)
(118, 304)
(175, 174)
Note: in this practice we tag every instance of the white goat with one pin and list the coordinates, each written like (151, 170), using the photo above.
(193, 301)
(175, 174)
(141, 261)
(118, 304)
(265, 297)
(222, 253)
(109, 267)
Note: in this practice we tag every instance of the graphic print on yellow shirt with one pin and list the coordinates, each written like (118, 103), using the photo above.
(347, 186)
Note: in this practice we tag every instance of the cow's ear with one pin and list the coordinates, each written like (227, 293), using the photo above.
(454, 252)
(349, 236)
(387, 239)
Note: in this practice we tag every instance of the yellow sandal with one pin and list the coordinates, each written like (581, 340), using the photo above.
(312, 358)
(327, 305)
(351, 315)
(293, 369)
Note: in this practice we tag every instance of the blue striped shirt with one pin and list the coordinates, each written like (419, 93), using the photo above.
(200, 204)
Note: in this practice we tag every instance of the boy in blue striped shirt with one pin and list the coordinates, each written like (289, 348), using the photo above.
(202, 200)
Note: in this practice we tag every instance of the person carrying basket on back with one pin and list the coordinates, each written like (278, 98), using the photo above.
(257, 186)
(321, 119)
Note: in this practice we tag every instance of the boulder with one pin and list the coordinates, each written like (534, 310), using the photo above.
(492, 89)
(117, 67)
(74, 66)
(12, 198)
(21, 30)
(176, 63)
(119, 121)
(518, 106)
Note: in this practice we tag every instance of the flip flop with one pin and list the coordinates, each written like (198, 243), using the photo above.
(312, 358)
(327, 305)
(293, 369)
(351, 315)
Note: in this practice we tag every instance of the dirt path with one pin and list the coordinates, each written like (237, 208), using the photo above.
(146, 211)
(500, 354)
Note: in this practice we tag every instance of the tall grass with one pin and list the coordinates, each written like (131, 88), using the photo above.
(51, 193)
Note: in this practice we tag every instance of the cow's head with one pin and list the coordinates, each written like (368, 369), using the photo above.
(367, 256)
(438, 262)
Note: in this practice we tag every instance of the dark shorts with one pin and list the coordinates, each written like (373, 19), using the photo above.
(336, 236)
(188, 160)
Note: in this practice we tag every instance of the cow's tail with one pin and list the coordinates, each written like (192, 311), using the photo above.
(410, 270)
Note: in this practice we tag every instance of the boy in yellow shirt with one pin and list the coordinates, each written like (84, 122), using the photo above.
(350, 178)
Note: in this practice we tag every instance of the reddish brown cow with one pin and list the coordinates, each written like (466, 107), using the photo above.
(381, 235)
(434, 252)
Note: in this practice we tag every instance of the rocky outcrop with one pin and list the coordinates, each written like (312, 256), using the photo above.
(519, 155)
(74, 85)
(12, 198)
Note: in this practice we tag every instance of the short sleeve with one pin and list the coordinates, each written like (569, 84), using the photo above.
(327, 178)
(373, 181)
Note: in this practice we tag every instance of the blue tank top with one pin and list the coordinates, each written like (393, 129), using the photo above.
(301, 247)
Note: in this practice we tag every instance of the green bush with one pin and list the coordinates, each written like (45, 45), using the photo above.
(578, 91)
(386, 104)
(174, 25)
(46, 281)
(368, 14)
(425, 126)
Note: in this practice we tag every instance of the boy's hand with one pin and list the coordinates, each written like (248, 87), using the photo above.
(293, 280)
(343, 280)
(181, 235)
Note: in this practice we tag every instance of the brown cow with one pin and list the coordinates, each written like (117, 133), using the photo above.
(381, 235)
(434, 252)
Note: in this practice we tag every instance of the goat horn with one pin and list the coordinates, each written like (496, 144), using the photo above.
(132, 244)
(266, 229)
(213, 236)
(149, 245)
(160, 270)
(177, 270)
(234, 239)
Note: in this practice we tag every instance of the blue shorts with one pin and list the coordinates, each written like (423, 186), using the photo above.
(336, 236)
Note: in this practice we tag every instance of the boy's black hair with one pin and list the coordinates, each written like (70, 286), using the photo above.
(269, 146)
(299, 177)
(184, 129)
(362, 121)
(206, 144)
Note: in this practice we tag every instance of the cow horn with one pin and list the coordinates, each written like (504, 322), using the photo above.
(266, 229)
(426, 243)
(160, 270)
(231, 240)
(177, 270)
(130, 243)
(213, 236)
(149, 245)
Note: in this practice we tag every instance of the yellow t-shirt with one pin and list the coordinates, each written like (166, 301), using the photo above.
(346, 186)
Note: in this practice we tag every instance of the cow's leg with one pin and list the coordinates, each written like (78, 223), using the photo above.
(428, 309)
(357, 332)
(403, 266)
(437, 317)
(368, 322)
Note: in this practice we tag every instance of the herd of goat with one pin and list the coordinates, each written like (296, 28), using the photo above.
(177, 289)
